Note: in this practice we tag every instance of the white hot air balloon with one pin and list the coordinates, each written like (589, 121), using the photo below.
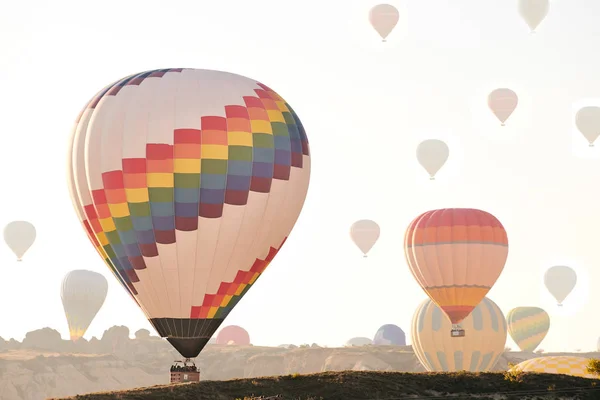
(587, 121)
(533, 12)
(19, 236)
(83, 293)
(384, 18)
(364, 234)
(432, 154)
(560, 281)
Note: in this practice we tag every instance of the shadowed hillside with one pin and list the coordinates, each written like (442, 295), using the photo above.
(371, 385)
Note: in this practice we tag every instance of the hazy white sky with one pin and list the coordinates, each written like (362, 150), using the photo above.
(365, 105)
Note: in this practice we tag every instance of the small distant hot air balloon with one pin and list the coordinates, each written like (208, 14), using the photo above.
(502, 102)
(364, 234)
(389, 335)
(476, 353)
(432, 154)
(560, 281)
(19, 236)
(456, 255)
(384, 18)
(533, 12)
(358, 341)
(82, 293)
(587, 121)
(233, 335)
(528, 326)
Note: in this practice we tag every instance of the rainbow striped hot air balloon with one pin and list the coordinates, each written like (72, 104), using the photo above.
(528, 326)
(456, 255)
(188, 182)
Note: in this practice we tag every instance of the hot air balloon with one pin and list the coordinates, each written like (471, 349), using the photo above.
(565, 365)
(560, 281)
(189, 181)
(384, 18)
(19, 236)
(528, 326)
(389, 335)
(82, 293)
(358, 341)
(587, 121)
(432, 154)
(233, 335)
(533, 12)
(364, 234)
(439, 352)
(456, 255)
(502, 102)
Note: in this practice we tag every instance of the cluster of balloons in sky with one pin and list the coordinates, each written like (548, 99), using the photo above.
(456, 256)
(559, 280)
(385, 17)
(477, 352)
(187, 183)
(82, 292)
(432, 154)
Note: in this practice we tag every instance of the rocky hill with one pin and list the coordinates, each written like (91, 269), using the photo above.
(44, 365)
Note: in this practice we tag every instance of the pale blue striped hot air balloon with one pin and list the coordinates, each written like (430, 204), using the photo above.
(477, 352)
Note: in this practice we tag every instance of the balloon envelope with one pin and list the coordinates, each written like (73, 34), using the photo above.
(533, 11)
(566, 365)
(502, 102)
(587, 121)
(358, 341)
(478, 351)
(189, 182)
(456, 255)
(82, 293)
(528, 326)
(384, 18)
(233, 335)
(389, 335)
(19, 236)
(432, 154)
(560, 281)
(364, 234)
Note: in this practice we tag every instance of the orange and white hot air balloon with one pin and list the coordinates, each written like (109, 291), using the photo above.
(384, 18)
(503, 103)
(456, 255)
